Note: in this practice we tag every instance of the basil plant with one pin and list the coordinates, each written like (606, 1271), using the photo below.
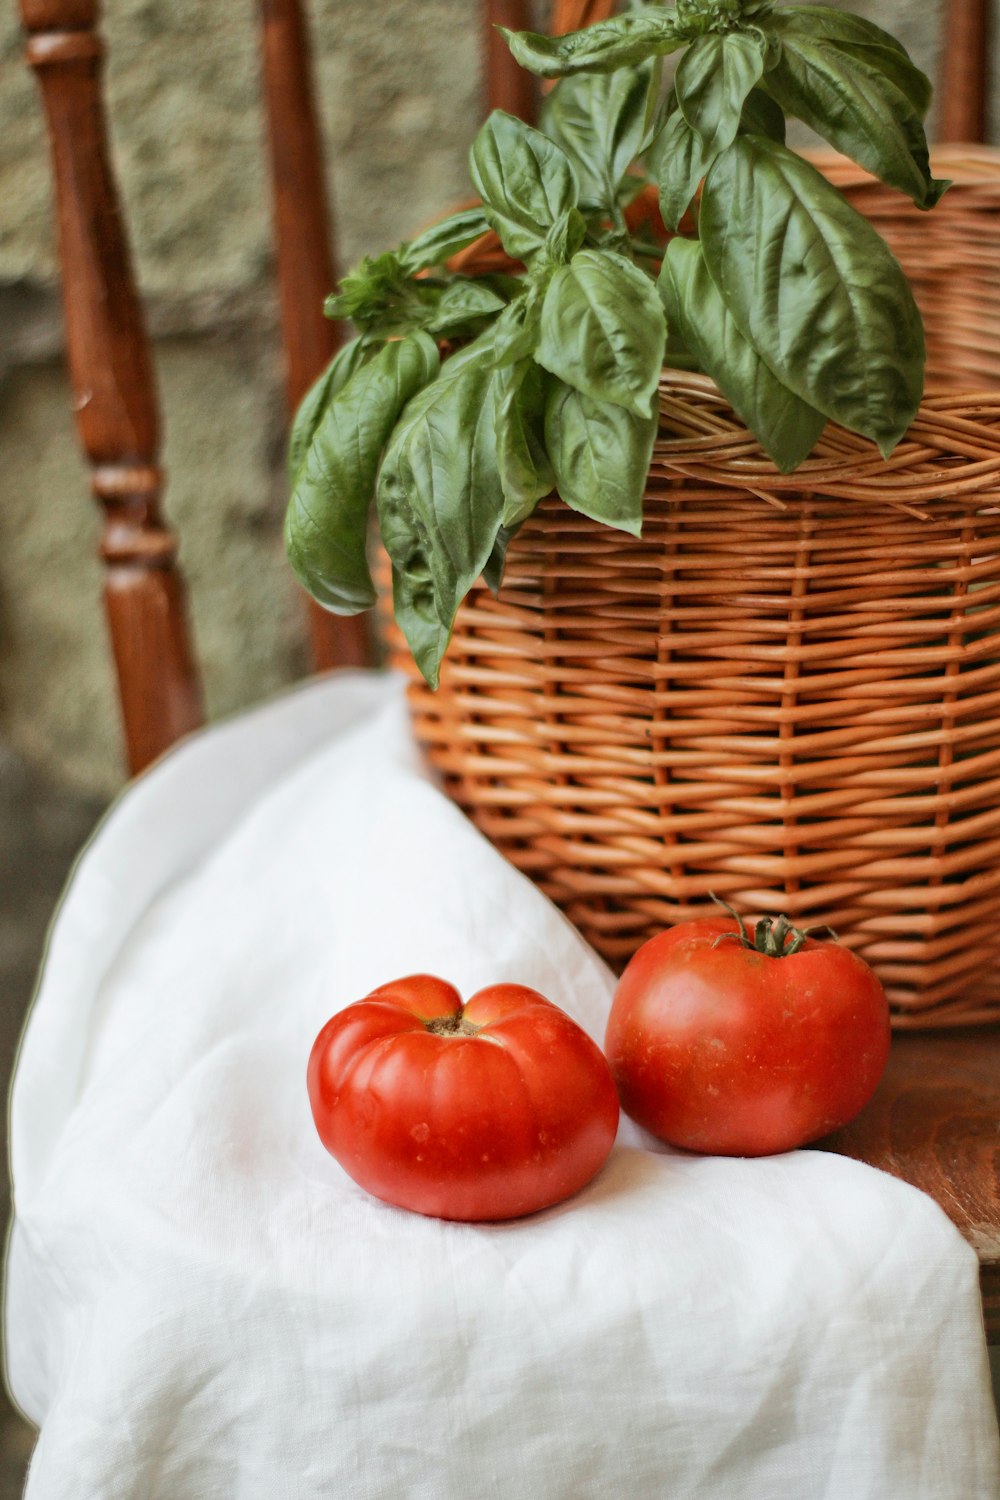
(770, 283)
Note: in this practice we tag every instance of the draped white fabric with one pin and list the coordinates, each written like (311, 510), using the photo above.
(200, 1302)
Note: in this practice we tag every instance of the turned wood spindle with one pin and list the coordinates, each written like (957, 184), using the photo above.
(573, 15)
(305, 262)
(506, 84)
(962, 85)
(114, 388)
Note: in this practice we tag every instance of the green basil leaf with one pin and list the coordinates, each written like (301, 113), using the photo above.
(566, 117)
(653, 148)
(603, 330)
(462, 304)
(516, 330)
(366, 288)
(383, 300)
(838, 25)
(600, 454)
(522, 463)
(414, 602)
(761, 116)
(525, 180)
(712, 82)
(812, 286)
(440, 500)
(683, 161)
(621, 42)
(497, 560)
(565, 237)
(326, 526)
(897, 68)
(443, 240)
(318, 397)
(696, 17)
(601, 122)
(787, 427)
(858, 110)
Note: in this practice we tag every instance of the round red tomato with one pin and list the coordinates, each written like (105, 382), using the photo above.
(486, 1111)
(719, 1045)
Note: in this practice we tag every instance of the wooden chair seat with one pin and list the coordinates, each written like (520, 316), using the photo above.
(934, 1121)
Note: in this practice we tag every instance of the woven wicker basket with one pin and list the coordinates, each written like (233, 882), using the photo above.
(788, 691)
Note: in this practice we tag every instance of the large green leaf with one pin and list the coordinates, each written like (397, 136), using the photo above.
(515, 332)
(824, 21)
(714, 95)
(858, 38)
(858, 109)
(523, 465)
(897, 68)
(326, 526)
(525, 180)
(814, 289)
(600, 120)
(600, 454)
(621, 42)
(443, 240)
(318, 397)
(713, 79)
(786, 426)
(440, 500)
(681, 162)
(603, 330)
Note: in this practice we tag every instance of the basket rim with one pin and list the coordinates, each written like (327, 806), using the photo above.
(952, 448)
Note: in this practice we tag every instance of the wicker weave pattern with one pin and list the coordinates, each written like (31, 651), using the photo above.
(786, 693)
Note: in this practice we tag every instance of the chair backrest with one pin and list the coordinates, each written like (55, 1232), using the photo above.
(108, 348)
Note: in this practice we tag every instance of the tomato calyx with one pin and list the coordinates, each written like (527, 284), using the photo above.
(453, 1025)
(773, 937)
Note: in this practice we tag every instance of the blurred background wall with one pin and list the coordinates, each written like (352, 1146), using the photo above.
(398, 84)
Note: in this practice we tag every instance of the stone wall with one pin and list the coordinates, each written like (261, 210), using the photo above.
(398, 85)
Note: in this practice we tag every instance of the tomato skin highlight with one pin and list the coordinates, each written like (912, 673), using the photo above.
(720, 1049)
(510, 1111)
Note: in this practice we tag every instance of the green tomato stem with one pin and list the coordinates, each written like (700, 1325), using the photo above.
(773, 937)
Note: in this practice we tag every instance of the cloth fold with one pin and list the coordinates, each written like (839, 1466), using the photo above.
(199, 1301)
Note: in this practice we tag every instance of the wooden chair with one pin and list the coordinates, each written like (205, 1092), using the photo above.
(936, 1119)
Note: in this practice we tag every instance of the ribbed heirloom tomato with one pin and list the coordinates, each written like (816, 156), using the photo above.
(745, 1042)
(485, 1111)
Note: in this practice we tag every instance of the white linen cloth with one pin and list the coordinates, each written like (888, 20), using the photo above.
(201, 1303)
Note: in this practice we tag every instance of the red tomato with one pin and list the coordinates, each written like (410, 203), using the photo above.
(719, 1047)
(489, 1111)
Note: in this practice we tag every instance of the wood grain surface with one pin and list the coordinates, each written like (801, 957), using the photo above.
(305, 260)
(964, 66)
(506, 85)
(935, 1122)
